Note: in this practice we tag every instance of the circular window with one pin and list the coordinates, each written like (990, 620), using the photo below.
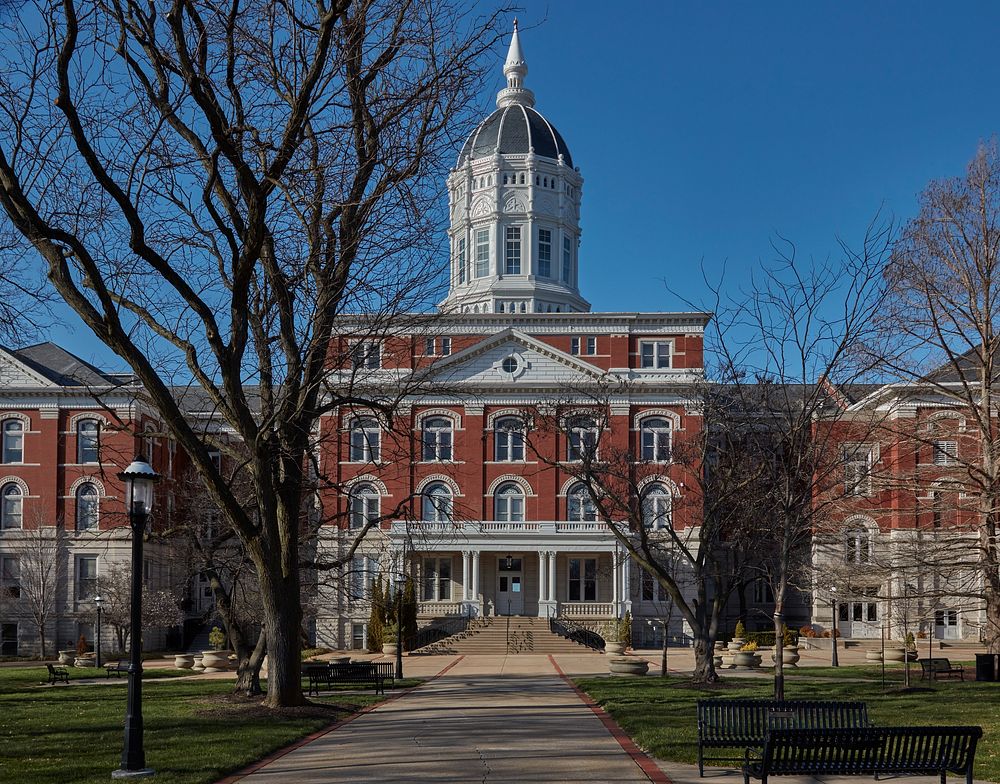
(509, 365)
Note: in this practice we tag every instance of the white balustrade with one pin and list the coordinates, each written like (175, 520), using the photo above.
(440, 608)
(586, 609)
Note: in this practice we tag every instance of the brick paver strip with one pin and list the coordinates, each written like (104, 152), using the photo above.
(255, 766)
(639, 757)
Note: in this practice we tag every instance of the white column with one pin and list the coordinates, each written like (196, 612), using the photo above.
(626, 584)
(552, 576)
(475, 576)
(616, 580)
(466, 571)
(541, 579)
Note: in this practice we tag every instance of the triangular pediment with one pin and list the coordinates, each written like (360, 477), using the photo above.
(512, 357)
(16, 374)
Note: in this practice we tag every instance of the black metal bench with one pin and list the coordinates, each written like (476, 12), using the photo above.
(116, 669)
(871, 751)
(365, 674)
(57, 674)
(932, 668)
(744, 723)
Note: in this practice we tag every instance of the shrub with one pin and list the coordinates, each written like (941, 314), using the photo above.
(389, 632)
(749, 646)
(741, 630)
(788, 637)
(81, 646)
(921, 635)
(909, 640)
(216, 638)
(308, 653)
(376, 618)
(807, 631)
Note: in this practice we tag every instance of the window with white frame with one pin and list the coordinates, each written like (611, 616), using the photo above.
(857, 545)
(654, 353)
(657, 503)
(429, 346)
(13, 441)
(581, 438)
(445, 346)
(86, 577)
(87, 507)
(365, 505)
(582, 580)
(651, 588)
(585, 345)
(366, 355)
(437, 503)
(364, 572)
(945, 452)
(509, 439)
(545, 253)
(512, 255)
(366, 440)
(148, 442)
(858, 464)
(508, 503)
(462, 260)
(11, 506)
(10, 577)
(482, 253)
(567, 261)
(436, 583)
(436, 438)
(580, 506)
(654, 440)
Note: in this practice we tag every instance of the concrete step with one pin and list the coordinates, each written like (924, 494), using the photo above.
(499, 636)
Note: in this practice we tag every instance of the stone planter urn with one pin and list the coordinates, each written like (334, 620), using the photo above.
(728, 659)
(66, 657)
(340, 660)
(389, 649)
(748, 659)
(895, 654)
(198, 666)
(736, 643)
(789, 655)
(215, 661)
(614, 648)
(627, 665)
(873, 656)
(87, 660)
(184, 661)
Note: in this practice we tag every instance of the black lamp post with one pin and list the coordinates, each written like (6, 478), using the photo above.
(97, 645)
(834, 660)
(139, 479)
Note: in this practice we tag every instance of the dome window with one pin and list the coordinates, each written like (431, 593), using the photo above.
(522, 178)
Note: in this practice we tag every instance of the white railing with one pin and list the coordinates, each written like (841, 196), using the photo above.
(440, 608)
(492, 525)
(587, 609)
(578, 526)
(498, 526)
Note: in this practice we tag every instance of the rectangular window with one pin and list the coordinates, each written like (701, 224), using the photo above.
(437, 580)
(87, 441)
(10, 577)
(13, 441)
(567, 261)
(945, 452)
(482, 253)
(762, 593)
(591, 346)
(583, 579)
(358, 638)
(445, 346)
(363, 573)
(462, 261)
(545, 253)
(651, 588)
(8, 639)
(86, 577)
(512, 255)
(429, 347)
(367, 355)
(654, 353)
(858, 459)
(574, 346)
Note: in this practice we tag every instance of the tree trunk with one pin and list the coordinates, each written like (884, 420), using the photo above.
(779, 655)
(282, 619)
(248, 669)
(991, 586)
(41, 636)
(704, 667)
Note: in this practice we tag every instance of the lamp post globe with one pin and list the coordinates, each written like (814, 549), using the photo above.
(139, 479)
(98, 601)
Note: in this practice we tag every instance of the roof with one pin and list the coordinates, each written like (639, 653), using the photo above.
(65, 369)
(515, 130)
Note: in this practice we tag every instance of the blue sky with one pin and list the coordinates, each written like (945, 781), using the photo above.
(703, 130)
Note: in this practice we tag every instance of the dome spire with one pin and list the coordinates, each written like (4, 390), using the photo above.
(515, 68)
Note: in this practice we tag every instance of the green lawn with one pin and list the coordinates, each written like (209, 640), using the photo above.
(195, 732)
(661, 717)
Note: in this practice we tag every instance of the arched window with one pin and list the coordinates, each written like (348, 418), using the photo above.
(656, 506)
(366, 439)
(11, 506)
(580, 506)
(88, 440)
(437, 504)
(508, 503)
(858, 545)
(13, 441)
(654, 437)
(365, 505)
(437, 439)
(581, 438)
(87, 505)
(509, 440)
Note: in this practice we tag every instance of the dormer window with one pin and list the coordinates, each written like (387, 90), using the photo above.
(482, 253)
(512, 256)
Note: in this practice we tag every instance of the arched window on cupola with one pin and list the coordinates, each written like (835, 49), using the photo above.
(500, 308)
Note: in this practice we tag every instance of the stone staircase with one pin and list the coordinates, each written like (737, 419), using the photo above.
(490, 636)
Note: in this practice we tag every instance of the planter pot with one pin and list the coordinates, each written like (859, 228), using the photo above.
(85, 661)
(747, 659)
(66, 657)
(389, 649)
(614, 648)
(717, 661)
(911, 655)
(340, 660)
(728, 659)
(184, 661)
(736, 643)
(789, 655)
(627, 665)
(198, 666)
(215, 661)
(894, 654)
(873, 656)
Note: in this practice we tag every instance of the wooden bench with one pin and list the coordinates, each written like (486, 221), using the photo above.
(116, 669)
(744, 723)
(365, 674)
(930, 669)
(867, 751)
(57, 674)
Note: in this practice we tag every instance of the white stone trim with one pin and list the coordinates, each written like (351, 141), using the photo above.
(17, 481)
(564, 490)
(663, 413)
(454, 416)
(518, 413)
(368, 479)
(23, 418)
(859, 520)
(77, 418)
(520, 481)
(93, 480)
(659, 479)
(936, 417)
(455, 491)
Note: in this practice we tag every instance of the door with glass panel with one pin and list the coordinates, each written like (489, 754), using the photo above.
(510, 586)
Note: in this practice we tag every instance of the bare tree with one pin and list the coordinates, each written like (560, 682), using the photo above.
(211, 184)
(160, 607)
(38, 558)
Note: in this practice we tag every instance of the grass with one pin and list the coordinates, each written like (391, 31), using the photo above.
(661, 717)
(195, 730)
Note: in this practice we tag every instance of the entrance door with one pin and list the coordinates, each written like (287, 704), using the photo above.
(510, 587)
(859, 619)
(946, 624)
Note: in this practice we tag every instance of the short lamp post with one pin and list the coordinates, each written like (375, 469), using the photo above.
(834, 660)
(139, 479)
(98, 601)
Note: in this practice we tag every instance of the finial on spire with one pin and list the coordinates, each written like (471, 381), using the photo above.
(515, 68)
